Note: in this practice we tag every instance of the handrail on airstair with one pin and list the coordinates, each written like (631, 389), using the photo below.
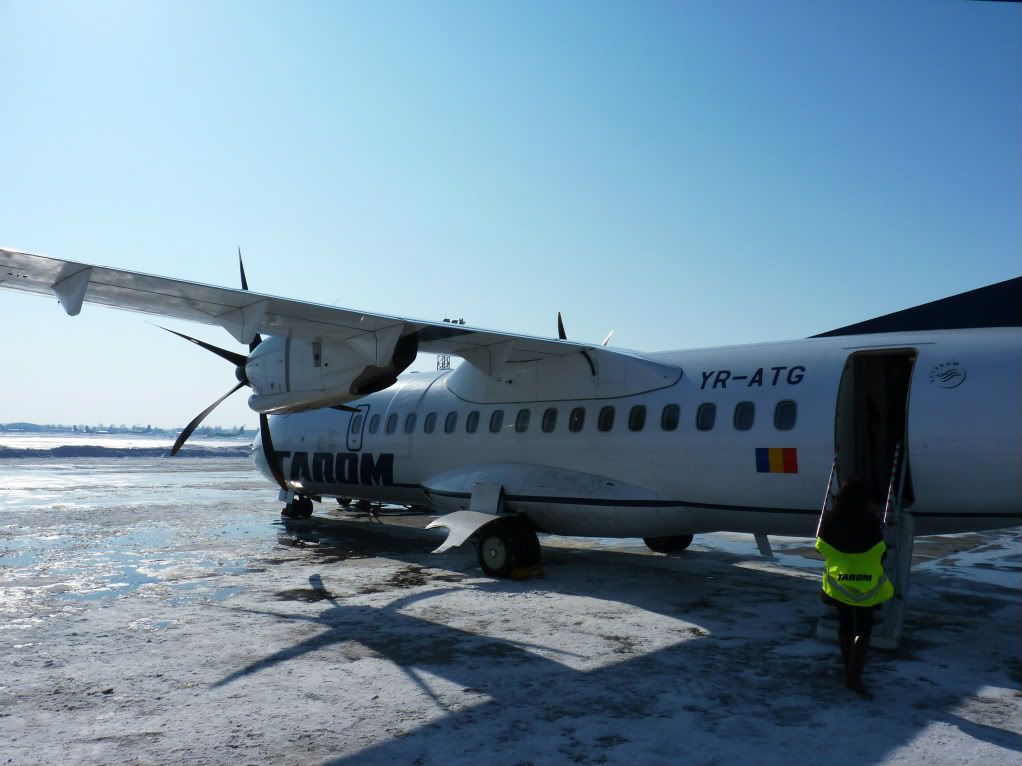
(895, 475)
(828, 496)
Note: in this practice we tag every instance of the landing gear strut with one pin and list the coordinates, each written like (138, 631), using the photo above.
(299, 508)
(672, 544)
(507, 545)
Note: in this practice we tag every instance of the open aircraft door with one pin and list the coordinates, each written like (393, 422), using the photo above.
(872, 418)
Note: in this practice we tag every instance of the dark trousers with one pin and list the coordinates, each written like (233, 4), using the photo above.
(855, 620)
(852, 620)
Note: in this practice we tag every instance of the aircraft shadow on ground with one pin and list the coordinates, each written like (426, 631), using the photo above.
(724, 687)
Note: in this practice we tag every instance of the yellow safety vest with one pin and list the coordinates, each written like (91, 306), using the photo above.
(857, 579)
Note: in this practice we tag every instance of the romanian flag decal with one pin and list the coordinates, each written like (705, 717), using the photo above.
(776, 460)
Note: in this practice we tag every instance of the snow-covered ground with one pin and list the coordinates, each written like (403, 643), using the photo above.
(158, 611)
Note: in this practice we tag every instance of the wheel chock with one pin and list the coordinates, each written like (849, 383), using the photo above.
(527, 572)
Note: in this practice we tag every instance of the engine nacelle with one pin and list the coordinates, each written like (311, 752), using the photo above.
(290, 374)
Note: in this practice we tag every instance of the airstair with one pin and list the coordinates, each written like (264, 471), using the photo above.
(898, 530)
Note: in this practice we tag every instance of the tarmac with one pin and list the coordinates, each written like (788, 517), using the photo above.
(167, 614)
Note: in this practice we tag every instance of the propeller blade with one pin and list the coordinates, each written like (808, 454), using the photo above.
(344, 408)
(198, 419)
(241, 265)
(560, 328)
(244, 286)
(268, 453)
(238, 360)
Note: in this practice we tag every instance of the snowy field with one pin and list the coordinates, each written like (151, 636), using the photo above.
(159, 611)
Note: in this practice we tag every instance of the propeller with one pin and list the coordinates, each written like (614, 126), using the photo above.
(564, 336)
(268, 453)
(238, 360)
(244, 286)
(199, 418)
(264, 422)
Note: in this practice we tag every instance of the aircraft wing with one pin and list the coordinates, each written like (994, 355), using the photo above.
(243, 313)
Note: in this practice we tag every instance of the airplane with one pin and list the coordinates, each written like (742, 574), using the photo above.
(534, 434)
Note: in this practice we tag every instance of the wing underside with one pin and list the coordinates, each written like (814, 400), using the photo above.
(243, 313)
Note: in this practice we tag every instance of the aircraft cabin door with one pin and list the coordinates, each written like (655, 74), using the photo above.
(872, 417)
(355, 427)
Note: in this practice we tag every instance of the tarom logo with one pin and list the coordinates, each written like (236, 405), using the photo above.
(948, 375)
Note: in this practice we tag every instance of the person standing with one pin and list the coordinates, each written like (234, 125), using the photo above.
(854, 581)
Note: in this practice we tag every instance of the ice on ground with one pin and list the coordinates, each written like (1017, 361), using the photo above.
(166, 614)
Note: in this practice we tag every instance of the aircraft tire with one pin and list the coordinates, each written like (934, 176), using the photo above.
(506, 545)
(671, 544)
(299, 508)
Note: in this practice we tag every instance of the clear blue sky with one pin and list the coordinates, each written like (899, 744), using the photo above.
(687, 173)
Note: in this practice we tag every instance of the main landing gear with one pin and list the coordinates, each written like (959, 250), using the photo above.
(672, 544)
(300, 507)
(507, 547)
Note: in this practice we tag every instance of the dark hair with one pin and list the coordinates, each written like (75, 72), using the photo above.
(852, 497)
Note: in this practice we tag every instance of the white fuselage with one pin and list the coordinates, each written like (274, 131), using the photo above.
(962, 423)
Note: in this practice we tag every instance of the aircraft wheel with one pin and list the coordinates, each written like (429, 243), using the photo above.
(299, 508)
(671, 544)
(506, 545)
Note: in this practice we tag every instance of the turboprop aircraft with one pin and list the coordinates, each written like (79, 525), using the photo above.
(538, 434)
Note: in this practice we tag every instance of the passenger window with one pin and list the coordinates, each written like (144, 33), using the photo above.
(522, 421)
(374, 424)
(356, 423)
(450, 422)
(472, 422)
(429, 424)
(549, 420)
(669, 417)
(706, 416)
(785, 414)
(637, 418)
(496, 421)
(391, 422)
(605, 420)
(745, 414)
(410, 423)
(577, 419)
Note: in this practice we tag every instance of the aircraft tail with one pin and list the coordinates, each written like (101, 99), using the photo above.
(997, 305)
